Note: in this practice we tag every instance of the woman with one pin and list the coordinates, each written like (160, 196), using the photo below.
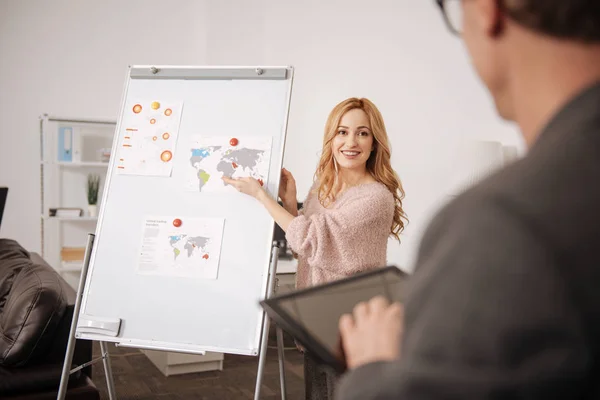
(353, 207)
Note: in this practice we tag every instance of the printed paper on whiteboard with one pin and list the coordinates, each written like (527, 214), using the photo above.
(182, 247)
(149, 132)
(211, 158)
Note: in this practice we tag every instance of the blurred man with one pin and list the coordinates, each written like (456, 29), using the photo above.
(504, 302)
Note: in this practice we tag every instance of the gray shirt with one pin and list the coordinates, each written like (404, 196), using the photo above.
(505, 299)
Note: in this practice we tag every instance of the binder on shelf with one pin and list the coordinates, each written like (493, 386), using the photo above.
(65, 144)
(77, 145)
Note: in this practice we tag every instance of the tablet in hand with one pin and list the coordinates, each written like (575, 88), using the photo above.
(312, 315)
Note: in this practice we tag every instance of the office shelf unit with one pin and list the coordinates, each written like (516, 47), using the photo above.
(71, 149)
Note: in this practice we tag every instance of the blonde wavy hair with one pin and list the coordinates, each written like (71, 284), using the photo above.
(378, 164)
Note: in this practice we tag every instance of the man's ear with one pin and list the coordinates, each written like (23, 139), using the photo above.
(490, 17)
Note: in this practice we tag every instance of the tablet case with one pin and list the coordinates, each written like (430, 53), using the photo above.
(390, 275)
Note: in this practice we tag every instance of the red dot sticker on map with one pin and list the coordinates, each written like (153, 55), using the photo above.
(177, 222)
(261, 182)
(234, 142)
(205, 256)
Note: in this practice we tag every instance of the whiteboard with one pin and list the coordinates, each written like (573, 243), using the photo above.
(179, 313)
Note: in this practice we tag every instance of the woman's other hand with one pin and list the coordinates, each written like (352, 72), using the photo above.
(287, 188)
(249, 186)
(300, 348)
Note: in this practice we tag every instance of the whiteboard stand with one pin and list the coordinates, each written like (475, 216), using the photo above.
(221, 103)
(266, 324)
(105, 356)
(281, 356)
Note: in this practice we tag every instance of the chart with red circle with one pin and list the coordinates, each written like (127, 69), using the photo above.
(149, 137)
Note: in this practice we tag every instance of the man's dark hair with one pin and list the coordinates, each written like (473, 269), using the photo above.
(568, 19)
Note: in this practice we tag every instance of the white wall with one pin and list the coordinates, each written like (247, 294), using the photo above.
(399, 54)
(69, 58)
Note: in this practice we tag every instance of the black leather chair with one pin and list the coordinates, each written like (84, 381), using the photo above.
(36, 309)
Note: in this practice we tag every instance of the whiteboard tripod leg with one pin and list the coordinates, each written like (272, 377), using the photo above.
(66, 370)
(281, 362)
(110, 383)
(262, 358)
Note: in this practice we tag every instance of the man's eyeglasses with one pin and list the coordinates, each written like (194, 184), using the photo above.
(453, 14)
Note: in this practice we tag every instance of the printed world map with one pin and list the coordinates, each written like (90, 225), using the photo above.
(190, 246)
(211, 159)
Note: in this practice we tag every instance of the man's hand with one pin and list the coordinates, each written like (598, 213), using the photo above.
(372, 333)
(249, 186)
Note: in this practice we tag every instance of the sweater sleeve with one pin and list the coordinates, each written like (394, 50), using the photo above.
(344, 229)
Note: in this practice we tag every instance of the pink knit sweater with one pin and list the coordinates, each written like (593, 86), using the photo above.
(349, 236)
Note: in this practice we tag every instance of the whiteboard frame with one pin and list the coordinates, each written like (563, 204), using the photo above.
(189, 72)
